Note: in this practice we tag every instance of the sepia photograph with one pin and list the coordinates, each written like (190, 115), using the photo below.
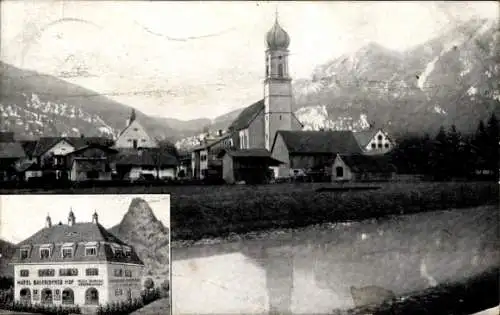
(85, 254)
(321, 157)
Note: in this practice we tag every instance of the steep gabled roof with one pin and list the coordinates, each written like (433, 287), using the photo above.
(11, 150)
(46, 143)
(363, 137)
(246, 117)
(368, 163)
(319, 142)
(63, 235)
(78, 232)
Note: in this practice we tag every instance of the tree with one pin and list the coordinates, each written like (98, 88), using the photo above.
(438, 160)
(491, 154)
(149, 284)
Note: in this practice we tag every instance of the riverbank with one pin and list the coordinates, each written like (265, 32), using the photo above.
(468, 296)
(223, 211)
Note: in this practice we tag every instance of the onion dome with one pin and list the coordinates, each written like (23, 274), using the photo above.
(277, 37)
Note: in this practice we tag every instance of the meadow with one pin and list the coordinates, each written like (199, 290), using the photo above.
(201, 211)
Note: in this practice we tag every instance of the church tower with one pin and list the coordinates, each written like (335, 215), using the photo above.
(277, 84)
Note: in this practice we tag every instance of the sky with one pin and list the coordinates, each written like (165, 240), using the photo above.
(23, 215)
(197, 59)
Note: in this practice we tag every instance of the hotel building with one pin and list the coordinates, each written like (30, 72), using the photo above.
(76, 264)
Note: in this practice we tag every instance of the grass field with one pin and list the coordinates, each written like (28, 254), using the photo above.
(213, 211)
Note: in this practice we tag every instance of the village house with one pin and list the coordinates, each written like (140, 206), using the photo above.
(48, 156)
(134, 136)
(374, 141)
(76, 264)
(11, 152)
(361, 167)
(141, 156)
(251, 166)
(305, 150)
(206, 159)
(92, 162)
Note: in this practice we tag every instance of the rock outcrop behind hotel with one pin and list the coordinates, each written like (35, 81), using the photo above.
(150, 238)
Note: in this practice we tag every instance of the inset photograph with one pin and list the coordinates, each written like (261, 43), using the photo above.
(85, 254)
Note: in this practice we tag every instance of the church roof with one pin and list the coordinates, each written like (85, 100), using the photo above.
(246, 117)
(322, 142)
(277, 37)
(62, 234)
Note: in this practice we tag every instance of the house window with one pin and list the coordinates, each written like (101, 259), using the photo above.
(339, 170)
(280, 117)
(134, 143)
(24, 273)
(118, 273)
(44, 253)
(68, 272)
(90, 251)
(143, 140)
(24, 253)
(280, 70)
(46, 296)
(128, 273)
(118, 292)
(386, 145)
(380, 145)
(91, 272)
(118, 252)
(380, 137)
(46, 272)
(135, 129)
(67, 252)
(25, 295)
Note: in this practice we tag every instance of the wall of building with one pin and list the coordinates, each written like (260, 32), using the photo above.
(79, 283)
(280, 153)
(380, 143)
(135, 132)
(61, 148)
(75, 174)
(347, 174)
(256, 132)
(119, 286)
(227, 169)
(137, 171)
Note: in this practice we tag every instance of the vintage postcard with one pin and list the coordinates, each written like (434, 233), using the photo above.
(85, 254)
(322, 157)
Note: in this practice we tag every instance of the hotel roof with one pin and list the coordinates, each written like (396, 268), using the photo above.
(75, 236)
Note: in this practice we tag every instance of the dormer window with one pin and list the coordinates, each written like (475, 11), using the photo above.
(91, 251)
(24, 253)
(67, 252)
(44, 253)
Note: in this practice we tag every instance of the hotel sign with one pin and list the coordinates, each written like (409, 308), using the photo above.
(79, 282)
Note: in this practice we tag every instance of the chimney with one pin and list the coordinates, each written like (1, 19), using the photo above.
(48, 221)
(71, 218)
(95, 218)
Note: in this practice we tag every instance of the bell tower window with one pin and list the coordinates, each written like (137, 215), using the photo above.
(280, 70)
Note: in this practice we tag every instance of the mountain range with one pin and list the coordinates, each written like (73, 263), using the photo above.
(450, 79)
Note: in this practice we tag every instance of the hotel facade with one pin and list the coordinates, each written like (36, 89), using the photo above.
(76, 264)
